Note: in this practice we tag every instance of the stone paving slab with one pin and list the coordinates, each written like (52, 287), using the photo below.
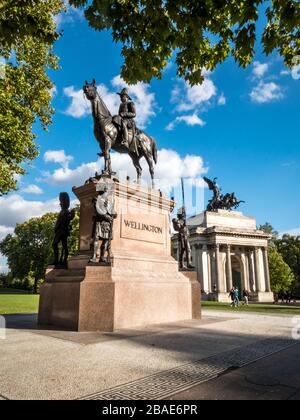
(28, 323)
(273, 378)
(39, 364)
(186, 376)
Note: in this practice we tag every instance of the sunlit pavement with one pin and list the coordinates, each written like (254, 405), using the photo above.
(49, 364)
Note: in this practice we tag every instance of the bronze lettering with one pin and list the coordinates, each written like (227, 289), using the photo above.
(139, 226)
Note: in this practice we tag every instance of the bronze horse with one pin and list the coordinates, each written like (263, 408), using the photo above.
(109, 136)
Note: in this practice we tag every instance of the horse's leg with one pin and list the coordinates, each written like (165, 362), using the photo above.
(107, 159)
(137, 165)
(150, 162)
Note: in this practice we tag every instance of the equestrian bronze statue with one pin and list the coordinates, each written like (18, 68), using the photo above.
(120, 133)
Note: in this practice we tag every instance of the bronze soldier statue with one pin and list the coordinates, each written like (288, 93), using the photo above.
(62, 231)
(125, 119)
(180, 226)
(103, 225)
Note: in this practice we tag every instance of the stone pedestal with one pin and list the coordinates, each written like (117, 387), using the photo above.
(141, 286)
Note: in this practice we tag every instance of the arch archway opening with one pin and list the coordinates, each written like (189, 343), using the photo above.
(237, 274)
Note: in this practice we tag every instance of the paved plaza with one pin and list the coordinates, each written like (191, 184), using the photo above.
(214, 358)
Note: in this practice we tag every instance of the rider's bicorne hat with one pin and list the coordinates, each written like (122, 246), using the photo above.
(124, 92)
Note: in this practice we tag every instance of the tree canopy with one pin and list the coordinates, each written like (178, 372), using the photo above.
(282, 277)
(289, 247)
(27, 35)
(202, 33)
(268, 228)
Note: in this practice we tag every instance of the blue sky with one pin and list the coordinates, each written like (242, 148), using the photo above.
(241, 126)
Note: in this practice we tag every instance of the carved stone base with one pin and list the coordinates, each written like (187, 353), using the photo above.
(264, 297)
(141, 286)
(133, 292)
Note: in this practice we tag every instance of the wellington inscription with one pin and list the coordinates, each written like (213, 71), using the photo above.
(138, 227)
(142, 226)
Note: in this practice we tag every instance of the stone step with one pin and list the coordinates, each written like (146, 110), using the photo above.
(76, 263)
(69, 279)
(71, 272)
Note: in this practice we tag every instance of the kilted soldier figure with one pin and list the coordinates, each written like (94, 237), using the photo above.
(103, 225)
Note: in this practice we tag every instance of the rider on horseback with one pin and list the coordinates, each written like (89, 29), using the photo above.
(125, 120)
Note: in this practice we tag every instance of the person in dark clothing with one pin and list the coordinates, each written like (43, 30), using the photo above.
(246, 297)
(231, 295)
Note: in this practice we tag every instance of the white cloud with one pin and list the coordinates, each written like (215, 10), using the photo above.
(4, 231)
(53, 91)
(33, 189)
(15, 209)
(192, 97)
(74, 177)
(190, 120)
(260, 69)
(69, 16)
(292, 232)
(170, 168)
(3, 268)
(80, 106)
(58, 156)
(266, 92)
(222, 100)
(140, 93)
(285, 73)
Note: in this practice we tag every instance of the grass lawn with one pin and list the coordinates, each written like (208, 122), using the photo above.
(17, 302)
(255, 307)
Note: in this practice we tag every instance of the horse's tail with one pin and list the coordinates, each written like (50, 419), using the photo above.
(154, 150)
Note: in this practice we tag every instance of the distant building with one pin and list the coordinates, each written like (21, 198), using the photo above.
(228, 250)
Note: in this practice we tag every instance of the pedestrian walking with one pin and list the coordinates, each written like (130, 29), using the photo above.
(236, 298)
(231, 295)
(246, 297)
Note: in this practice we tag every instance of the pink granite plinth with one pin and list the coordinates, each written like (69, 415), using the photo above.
(143, 284)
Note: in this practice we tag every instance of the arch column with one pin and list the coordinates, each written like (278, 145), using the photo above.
(266, 269)
(251, 270)
(257, 271)
(217, 266)
(204, 269)
(229, 283)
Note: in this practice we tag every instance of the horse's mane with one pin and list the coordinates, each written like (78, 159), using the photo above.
(104, 109)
